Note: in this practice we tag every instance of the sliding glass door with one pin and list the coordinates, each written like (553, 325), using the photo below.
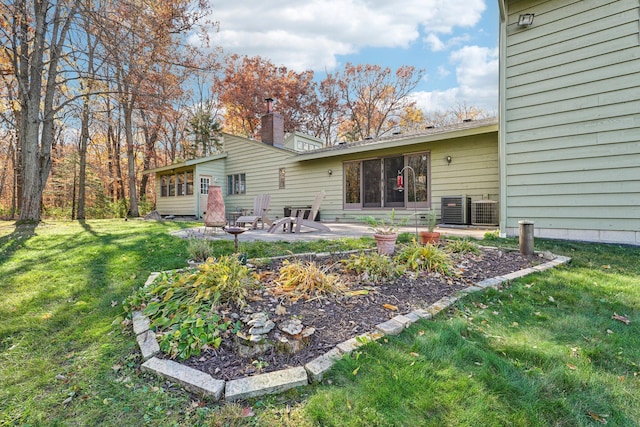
(373, 183)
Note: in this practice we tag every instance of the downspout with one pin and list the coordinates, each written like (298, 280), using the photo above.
(503, 11)
(502, 83)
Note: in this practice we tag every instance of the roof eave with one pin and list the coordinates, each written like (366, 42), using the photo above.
(185, 164)
(401, 141)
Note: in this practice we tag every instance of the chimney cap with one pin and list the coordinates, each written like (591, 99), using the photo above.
(269, 104)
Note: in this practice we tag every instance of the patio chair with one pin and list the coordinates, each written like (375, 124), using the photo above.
(215, 215)
(298, 220)
(259, 215)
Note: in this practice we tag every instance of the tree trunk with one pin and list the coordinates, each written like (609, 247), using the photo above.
(5, 169)
(131, 159)
(82, 159)
(151, 138)
(111, 185)
(44, 39)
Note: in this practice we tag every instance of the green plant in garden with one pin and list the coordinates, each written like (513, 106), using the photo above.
(492, 236)
(462, 246)
(183, 306)
(374, 267)
(199, 249)
(432, 219)
(383, 226)
(417, 257)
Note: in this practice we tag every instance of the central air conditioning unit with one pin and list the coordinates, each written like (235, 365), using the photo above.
(456, 209)
(484, 212)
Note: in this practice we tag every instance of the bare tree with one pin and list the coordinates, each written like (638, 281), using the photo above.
(375, 97)
(35, 43)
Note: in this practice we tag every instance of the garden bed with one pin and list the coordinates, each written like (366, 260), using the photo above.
(334, 318)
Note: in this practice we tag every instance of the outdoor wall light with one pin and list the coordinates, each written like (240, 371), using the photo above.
(330, 172)
(448, 160)
(525, 19)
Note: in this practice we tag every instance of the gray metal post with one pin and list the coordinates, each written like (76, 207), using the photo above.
(526, 237)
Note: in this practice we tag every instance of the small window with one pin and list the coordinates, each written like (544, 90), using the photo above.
(172, 185)
(189, 190)
(164, 182)
(204, 185)
(281, 178)
(180, 179)
(236, 184)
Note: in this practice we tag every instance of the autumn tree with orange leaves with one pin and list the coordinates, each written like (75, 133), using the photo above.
(248, 81)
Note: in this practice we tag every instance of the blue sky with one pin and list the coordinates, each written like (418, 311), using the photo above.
(455, 41)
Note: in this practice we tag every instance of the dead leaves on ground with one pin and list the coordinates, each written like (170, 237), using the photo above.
(619, 318)
(599, 418)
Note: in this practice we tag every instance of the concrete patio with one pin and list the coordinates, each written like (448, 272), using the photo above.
(338, 230)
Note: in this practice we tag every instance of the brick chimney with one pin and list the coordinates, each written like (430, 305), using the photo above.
(272, 126)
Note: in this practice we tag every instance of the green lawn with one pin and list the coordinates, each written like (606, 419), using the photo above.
(544, 351)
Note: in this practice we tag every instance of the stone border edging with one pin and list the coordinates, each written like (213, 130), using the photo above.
(278, 381)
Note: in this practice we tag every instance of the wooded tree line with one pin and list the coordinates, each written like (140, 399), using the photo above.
(95, 91)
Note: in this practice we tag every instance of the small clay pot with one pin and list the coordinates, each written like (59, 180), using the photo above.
(386, 243)
(430, 237)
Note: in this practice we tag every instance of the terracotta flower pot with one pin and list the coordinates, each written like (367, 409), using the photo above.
(386, 243)
(431, 237)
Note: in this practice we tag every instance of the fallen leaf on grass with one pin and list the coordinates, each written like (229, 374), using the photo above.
(67, 400)
(355, 371)
(622, 319)
(116, 367)
(390, 307)
(414, 354)
(597, 417)
(572, 367)
(247, 412)
(480, 305)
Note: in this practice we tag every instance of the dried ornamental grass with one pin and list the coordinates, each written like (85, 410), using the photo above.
(306, 280)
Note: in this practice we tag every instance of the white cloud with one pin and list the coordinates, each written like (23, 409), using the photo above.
(311, 34)
(435, 42)
(477, 78)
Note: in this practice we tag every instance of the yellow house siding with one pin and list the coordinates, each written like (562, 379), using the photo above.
(473, 171)
(260, 164)
(571, 126)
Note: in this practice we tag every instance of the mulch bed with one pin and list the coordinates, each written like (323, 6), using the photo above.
(338, 318)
